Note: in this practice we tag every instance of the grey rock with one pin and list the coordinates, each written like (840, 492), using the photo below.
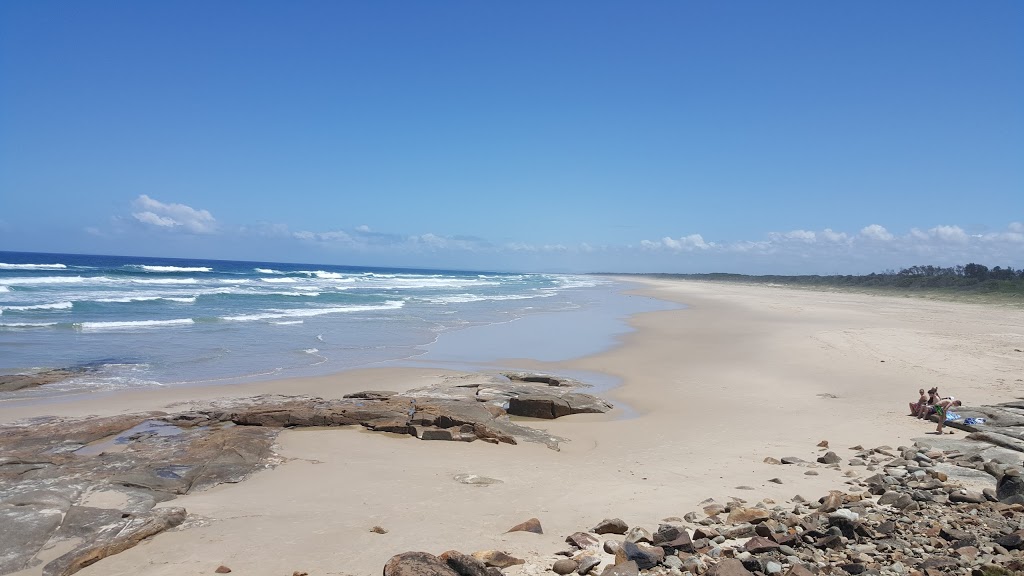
(113, 539)
(564, 566)
(830, 458)
(587, 564)
(23, 532)
(610, 526)
(1009, 485)
(638, 534)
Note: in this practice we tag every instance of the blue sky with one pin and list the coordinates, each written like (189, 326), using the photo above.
(663, 136)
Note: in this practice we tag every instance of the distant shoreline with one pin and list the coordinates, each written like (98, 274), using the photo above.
(1009, 292)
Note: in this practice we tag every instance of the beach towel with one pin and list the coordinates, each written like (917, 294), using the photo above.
(952, 416)
(974, 421)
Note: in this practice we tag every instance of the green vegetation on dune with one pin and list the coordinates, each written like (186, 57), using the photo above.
(973, 281)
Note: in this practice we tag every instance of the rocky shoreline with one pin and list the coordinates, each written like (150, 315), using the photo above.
(77, 490)
(909, 515)
(92, 485)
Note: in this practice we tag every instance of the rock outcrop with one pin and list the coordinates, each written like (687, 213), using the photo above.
(54, 471)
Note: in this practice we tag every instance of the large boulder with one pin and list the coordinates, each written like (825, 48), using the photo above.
(417, 564)
(543, 406)
(1010, 488)
(610, 526)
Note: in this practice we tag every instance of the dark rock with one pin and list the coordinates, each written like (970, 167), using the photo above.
(539, 406)
(666, 533)
(624, 569)
(587, 563)
(729, 567)
(1009, 485)
(12, 382)
(610, 526)
(531, 525)
(759, 544)
(644, 557)
(792, 460)
(463, 564)
(681, 542)
(222, 569)
(853, 568)
(582, 540)
(830, 458)
(1012, 541)
(417, 564)
(960, 537)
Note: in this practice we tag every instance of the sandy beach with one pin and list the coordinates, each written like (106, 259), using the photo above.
(708, 391)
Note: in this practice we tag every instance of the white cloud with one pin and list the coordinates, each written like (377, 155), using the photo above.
(948, 233)
(332, 236)
(804, 235)
(831, 236)
(683, 244)
(173, 216)
(876, 232)
(1017, 227)
(362, 228)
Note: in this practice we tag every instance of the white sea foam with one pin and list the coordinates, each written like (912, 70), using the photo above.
(287, 322)
(311, 350)
(4, 289)
(21, 281)
(159, 280)
(172, 268)
(324, 275)
(412, 283)
(267, 271)
(279, 280)
(308, 312)
(5, 266)
(87, 326)
(52, 306)
(129, 299)
(462, 298)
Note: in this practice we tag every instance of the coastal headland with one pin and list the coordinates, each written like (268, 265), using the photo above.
(709, 391)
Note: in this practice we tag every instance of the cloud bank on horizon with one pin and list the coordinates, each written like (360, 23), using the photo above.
(872, 248)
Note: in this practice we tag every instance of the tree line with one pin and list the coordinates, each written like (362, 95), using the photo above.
(968, 278)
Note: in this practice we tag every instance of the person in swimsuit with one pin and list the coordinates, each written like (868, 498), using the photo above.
(921, 405)
(941, 408)
(933, 399)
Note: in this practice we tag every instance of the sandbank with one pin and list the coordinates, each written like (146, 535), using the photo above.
(741, 373)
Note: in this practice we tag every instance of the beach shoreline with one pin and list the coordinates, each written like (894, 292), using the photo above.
(740, 374)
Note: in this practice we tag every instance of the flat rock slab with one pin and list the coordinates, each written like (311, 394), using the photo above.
(87, 480)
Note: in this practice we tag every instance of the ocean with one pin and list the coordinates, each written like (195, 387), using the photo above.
(136, 322)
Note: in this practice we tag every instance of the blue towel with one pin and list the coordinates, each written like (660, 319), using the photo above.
(952, 416)
(974, 421)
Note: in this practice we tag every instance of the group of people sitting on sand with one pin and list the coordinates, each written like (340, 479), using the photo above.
(932, 403)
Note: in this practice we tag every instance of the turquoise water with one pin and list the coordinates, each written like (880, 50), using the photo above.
(140, 322)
